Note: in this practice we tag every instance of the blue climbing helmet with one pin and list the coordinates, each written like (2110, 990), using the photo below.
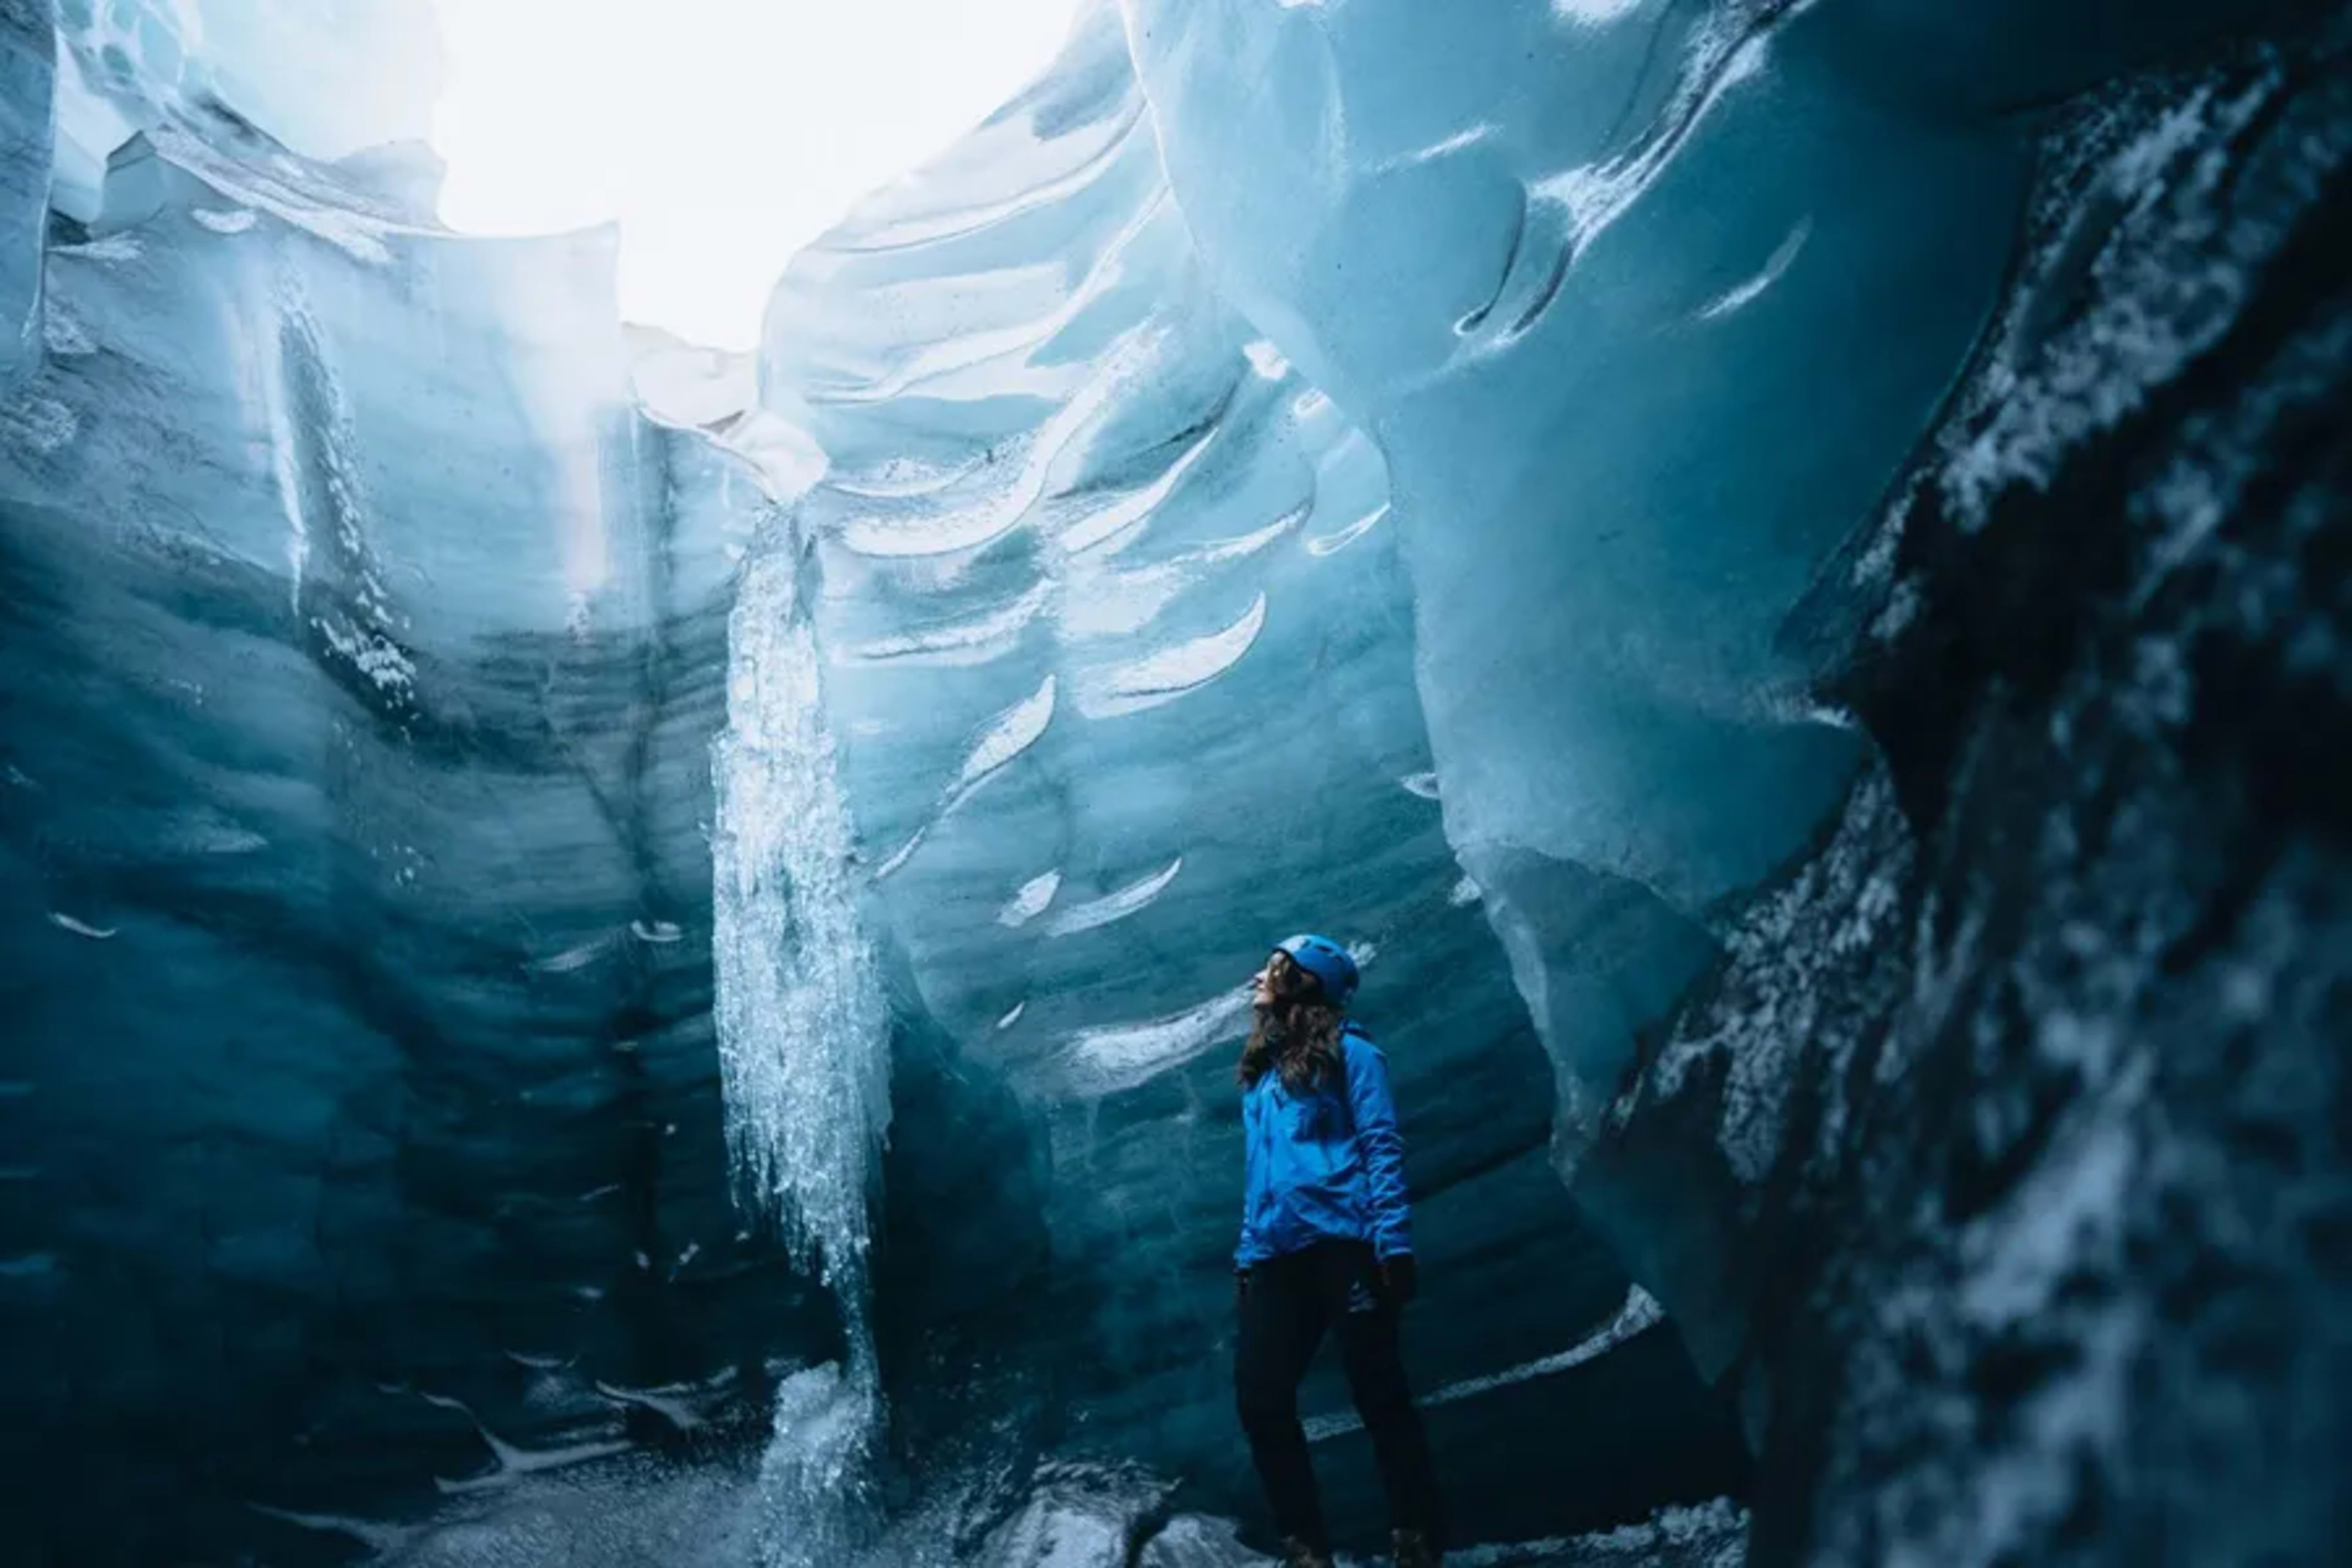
(1327, 961)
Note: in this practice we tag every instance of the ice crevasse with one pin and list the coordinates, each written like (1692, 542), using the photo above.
(1289, 416)
(1393, 467)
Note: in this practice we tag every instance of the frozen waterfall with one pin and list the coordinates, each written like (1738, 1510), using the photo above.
(804, 1039)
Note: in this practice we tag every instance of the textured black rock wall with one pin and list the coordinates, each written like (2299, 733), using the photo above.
(2022, 1109)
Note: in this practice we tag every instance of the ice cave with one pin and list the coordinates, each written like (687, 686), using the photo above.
(629, 954)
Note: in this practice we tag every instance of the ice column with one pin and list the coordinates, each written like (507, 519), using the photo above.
(803, 1035)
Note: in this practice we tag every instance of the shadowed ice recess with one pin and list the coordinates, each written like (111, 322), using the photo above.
(657, 940)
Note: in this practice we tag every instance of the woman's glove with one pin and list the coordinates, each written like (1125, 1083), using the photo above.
(1400, 1279)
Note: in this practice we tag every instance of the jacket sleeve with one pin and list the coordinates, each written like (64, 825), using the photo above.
(1380, 1146)
(1246, 1252)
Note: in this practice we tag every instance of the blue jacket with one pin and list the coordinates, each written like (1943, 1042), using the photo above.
(1325, 1165)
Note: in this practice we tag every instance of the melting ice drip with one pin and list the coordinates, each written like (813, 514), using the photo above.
(803, 1042)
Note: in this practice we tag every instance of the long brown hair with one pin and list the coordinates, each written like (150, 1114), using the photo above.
(1298, 1036)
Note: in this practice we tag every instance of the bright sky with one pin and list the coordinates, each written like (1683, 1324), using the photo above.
(724, 136)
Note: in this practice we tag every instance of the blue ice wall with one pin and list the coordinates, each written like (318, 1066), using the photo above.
(495, 809)
(364, 653)
(28, 128)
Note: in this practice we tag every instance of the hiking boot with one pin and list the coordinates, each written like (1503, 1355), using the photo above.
(1412, 1549)
(1296, 1553)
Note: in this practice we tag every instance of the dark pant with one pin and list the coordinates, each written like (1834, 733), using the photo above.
(1290, 1302)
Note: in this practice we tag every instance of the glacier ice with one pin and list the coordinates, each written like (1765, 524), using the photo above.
(365, 649)
(1706, 274)
(495, 805)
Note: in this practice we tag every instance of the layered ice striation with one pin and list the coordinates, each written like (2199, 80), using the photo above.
(1386, 468)
(1118, 645)
(364, 649)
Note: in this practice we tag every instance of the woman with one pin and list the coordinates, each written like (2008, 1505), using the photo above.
(1326, 1244)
